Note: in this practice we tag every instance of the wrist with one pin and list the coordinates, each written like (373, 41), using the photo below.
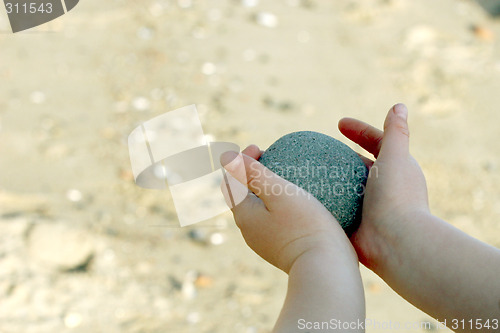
(324, 283)
(377, 243)
(325, 248)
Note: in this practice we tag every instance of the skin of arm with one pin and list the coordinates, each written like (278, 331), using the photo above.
(294, 232)
(430, 263)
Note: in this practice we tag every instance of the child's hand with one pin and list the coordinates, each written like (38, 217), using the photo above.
(292, 230)
(436, 267)
(279, 220)
(396, 186)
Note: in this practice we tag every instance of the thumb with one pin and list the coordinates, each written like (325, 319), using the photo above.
(396, 139)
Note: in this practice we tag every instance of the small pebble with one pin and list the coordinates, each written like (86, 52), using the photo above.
(483, 33)
(141, 104)
(420, 36)
(188, 288)
(203, 281)
(266, 19)
(74, 195)
(73, 320)
(208, 68)
(60, 246)
(198, 235)
(217, 238)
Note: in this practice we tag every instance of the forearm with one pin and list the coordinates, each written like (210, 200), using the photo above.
(441, 270)
(323, 286)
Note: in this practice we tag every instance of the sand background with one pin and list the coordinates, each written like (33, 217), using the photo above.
(72, 90)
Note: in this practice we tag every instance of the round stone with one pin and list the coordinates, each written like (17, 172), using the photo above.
(60, 246)
(326, 168)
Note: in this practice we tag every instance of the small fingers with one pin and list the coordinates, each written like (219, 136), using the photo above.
(259, 179)
(235, 193)
(367, 136)
(244, 204)
(253, 151)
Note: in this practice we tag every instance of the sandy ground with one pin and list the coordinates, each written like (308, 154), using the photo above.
(72, 91)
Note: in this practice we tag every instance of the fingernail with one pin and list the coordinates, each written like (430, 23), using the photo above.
(401, 111)
(227, 158)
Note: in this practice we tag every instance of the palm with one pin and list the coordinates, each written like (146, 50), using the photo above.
(395, 181)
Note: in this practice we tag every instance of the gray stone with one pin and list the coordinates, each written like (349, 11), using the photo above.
(325, 167)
